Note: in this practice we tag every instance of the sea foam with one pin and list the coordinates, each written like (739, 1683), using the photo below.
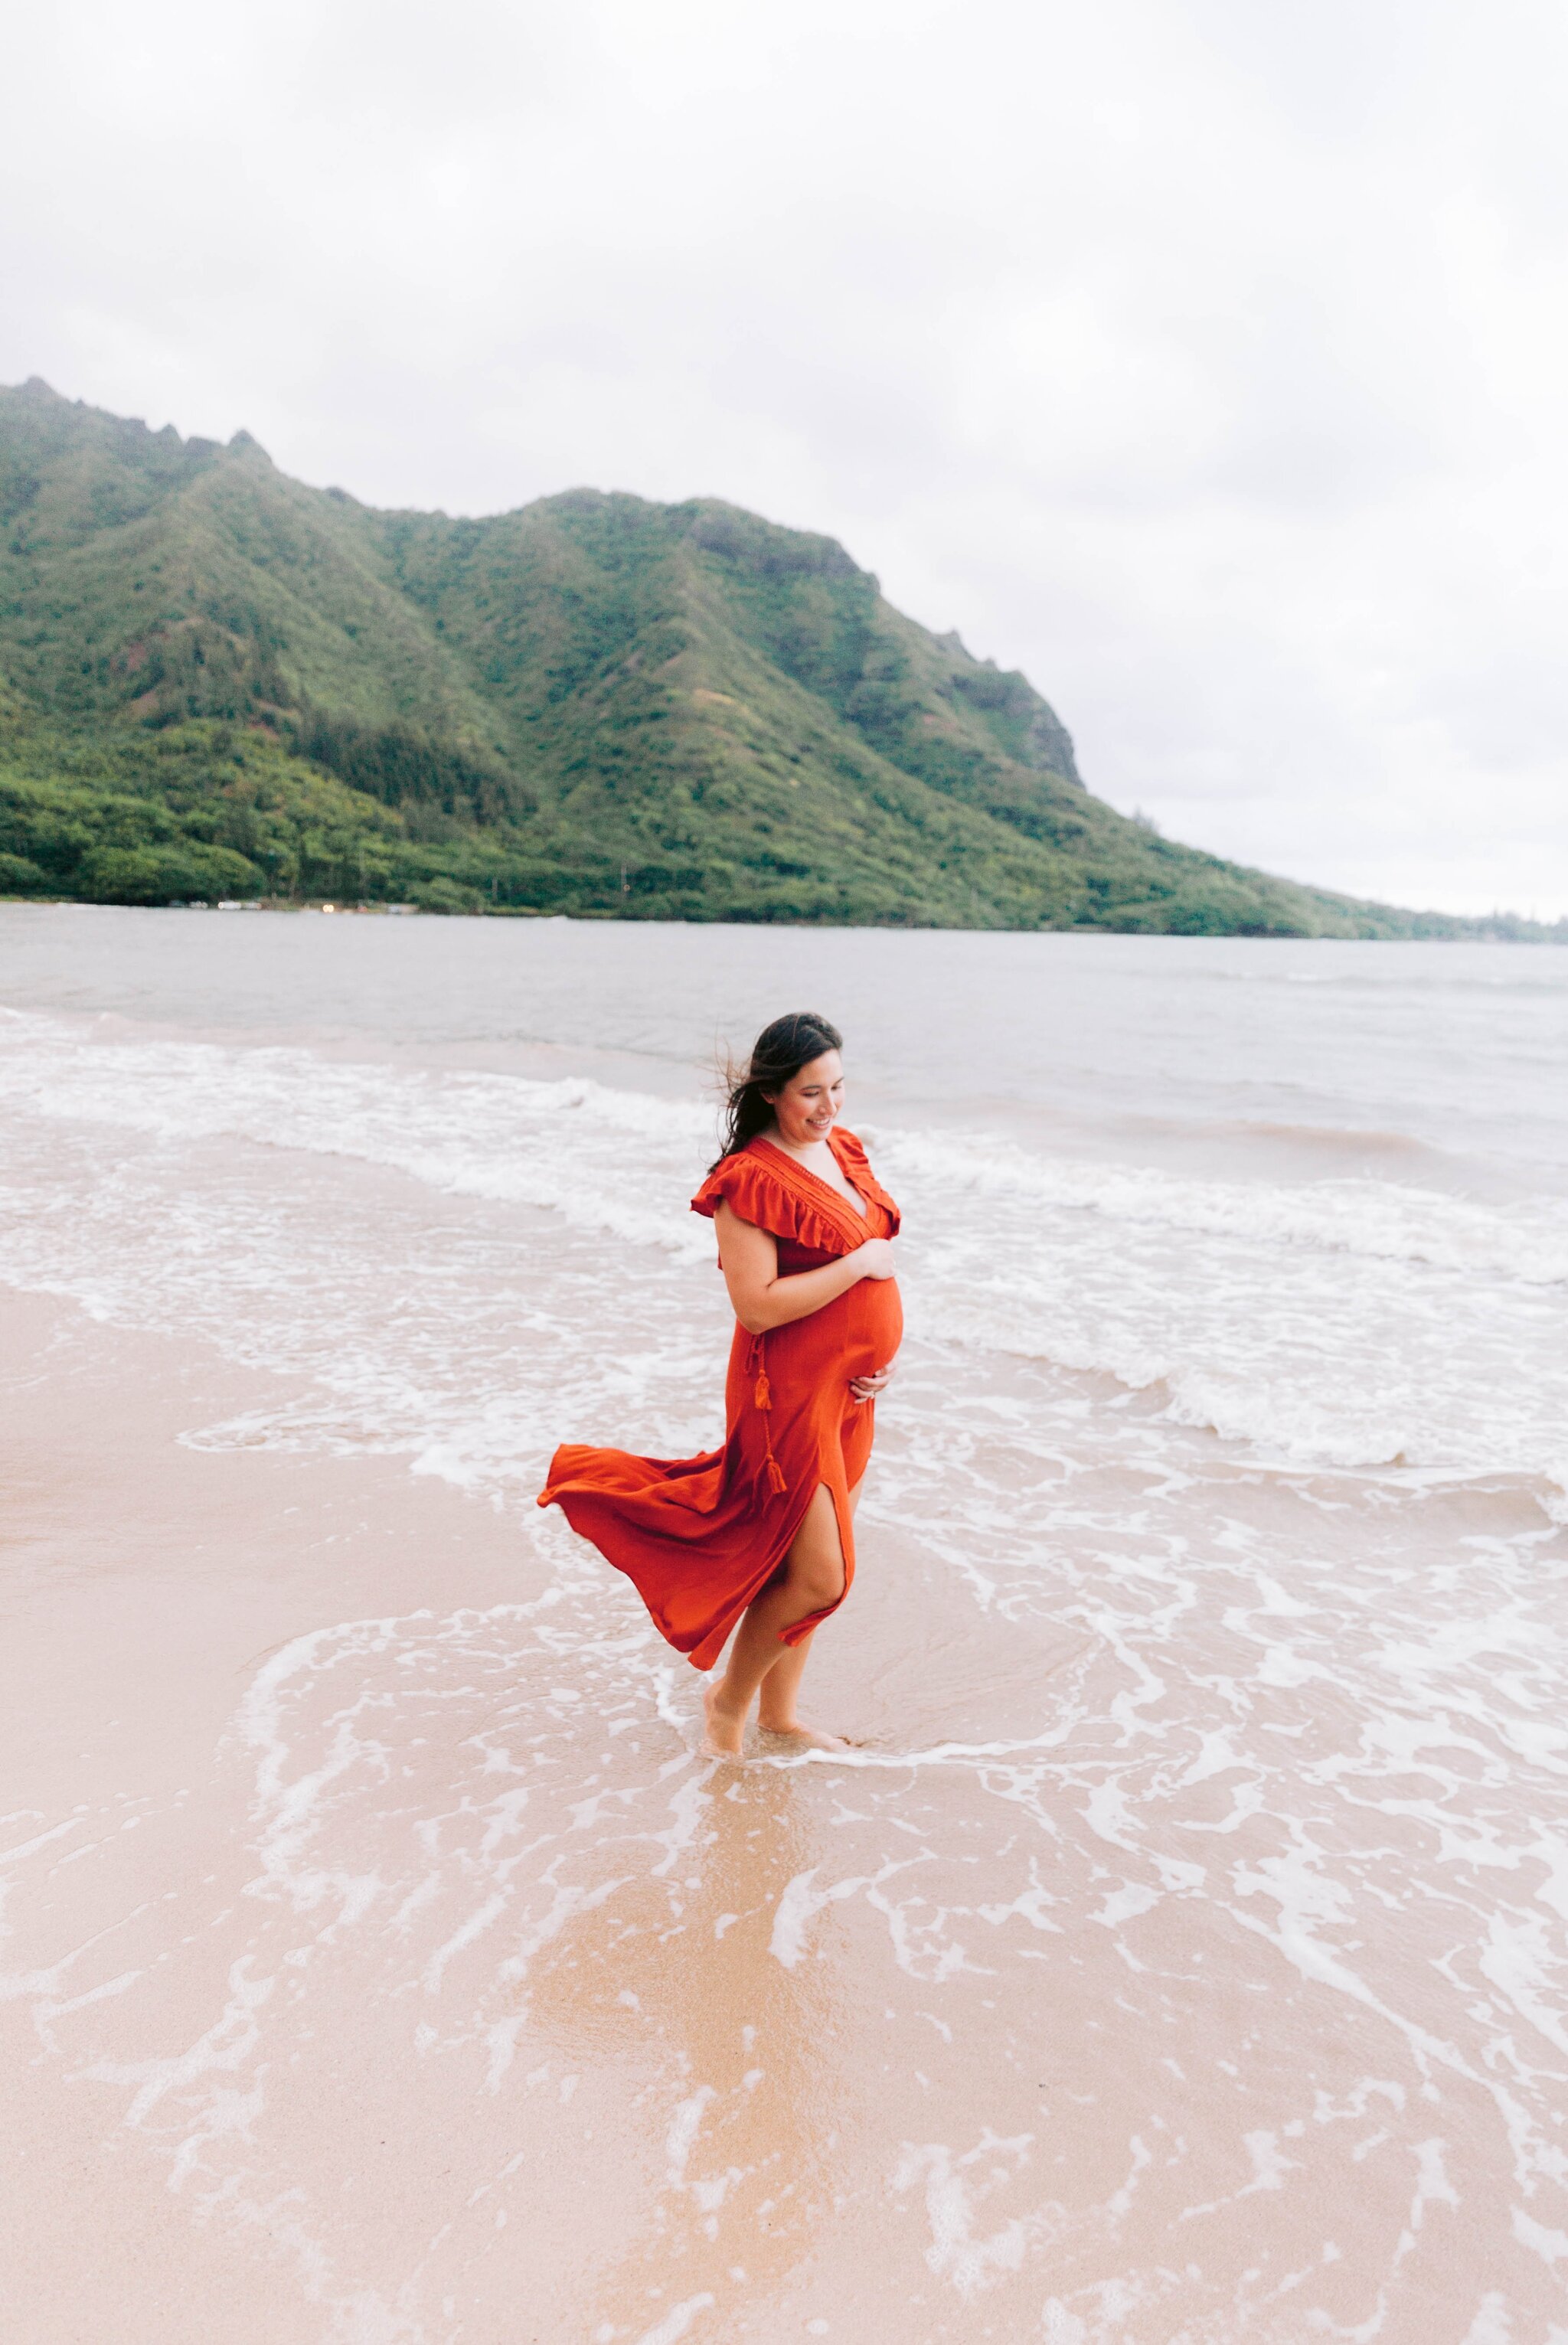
(1354, 1324)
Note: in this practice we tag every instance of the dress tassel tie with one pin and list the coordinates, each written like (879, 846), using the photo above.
(764, 1398)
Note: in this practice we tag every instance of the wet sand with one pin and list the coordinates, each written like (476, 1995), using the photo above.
(144, 1582)
(383, 1962)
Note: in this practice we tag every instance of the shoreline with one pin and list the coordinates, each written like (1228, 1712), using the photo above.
(1473, 929)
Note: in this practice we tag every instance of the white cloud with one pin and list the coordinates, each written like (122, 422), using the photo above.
(1206, 361)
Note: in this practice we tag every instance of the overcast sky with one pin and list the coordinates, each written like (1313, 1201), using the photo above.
(1206, 359)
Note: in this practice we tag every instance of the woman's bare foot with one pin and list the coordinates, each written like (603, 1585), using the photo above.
(726, 1732)
(804, 1738)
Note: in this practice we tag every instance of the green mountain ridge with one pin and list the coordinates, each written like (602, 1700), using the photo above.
(217, 681)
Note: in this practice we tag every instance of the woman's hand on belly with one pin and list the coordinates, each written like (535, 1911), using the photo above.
(863, 1388)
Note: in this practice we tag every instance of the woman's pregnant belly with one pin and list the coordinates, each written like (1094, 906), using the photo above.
(876, 1326)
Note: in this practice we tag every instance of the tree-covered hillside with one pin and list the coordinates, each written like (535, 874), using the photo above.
(215, 681)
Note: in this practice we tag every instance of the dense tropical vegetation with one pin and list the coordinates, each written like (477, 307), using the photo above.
(218, 683)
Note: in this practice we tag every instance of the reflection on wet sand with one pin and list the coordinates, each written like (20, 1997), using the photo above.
(742, 2103)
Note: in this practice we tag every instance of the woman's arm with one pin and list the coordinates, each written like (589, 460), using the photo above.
(749, 1259)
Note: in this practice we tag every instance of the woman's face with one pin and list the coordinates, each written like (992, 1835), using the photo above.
(809, 1106)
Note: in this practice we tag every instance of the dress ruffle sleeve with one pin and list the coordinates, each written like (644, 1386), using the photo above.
(771, 1202)
(857, 1167)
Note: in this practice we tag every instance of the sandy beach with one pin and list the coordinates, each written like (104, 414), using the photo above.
(154, 1588)
(145, 1582)
(353, 1992)
(1175, 1960)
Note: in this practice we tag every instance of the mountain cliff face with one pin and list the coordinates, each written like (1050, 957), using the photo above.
(214, 680)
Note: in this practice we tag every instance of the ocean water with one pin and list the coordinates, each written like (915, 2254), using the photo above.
(1204, 1846)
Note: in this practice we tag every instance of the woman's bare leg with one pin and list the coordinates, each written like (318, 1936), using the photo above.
(779, 1691)
(810, 1579)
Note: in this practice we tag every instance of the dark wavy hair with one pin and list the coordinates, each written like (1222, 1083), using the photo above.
(778, 1053)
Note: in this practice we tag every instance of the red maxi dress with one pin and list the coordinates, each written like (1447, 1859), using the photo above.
(700, 1537)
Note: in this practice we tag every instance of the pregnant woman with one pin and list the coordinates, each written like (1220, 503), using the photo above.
(760, 1533)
